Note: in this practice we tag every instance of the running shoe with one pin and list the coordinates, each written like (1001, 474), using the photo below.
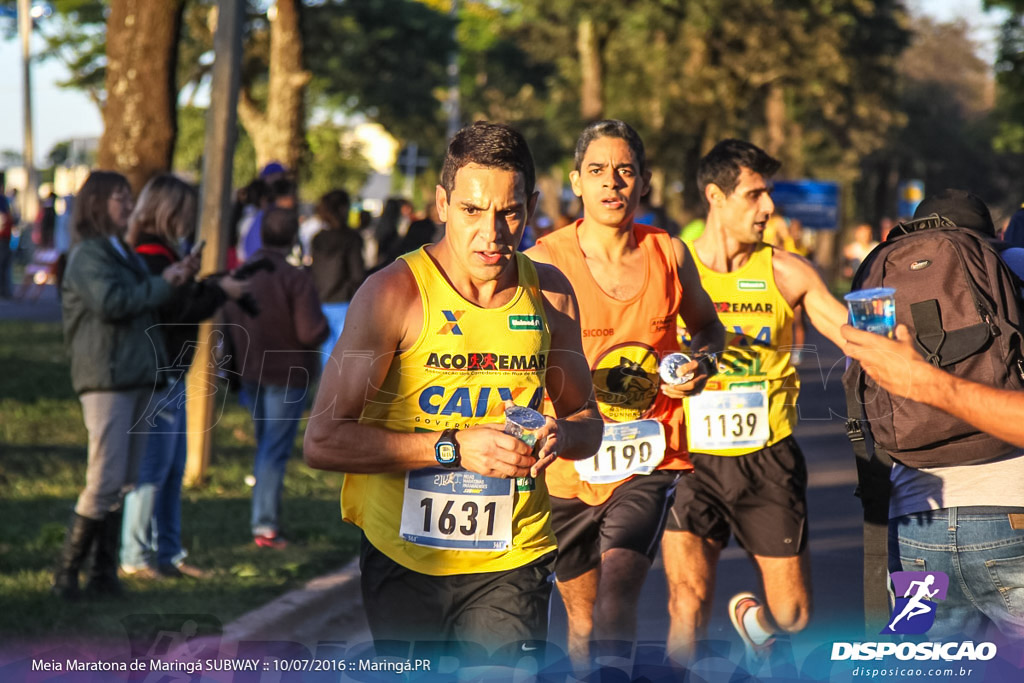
(740, 604)
(144, 573)
(181, 569)
(271, 540)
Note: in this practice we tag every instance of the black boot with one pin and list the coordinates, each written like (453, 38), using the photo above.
(77, 543)
(106, 558)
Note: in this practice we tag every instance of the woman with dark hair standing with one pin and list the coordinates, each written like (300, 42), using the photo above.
(337, 262)
(109, 303)
(164, 219)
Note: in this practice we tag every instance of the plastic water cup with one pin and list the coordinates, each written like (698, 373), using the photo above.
(669, 368)
(873, 310)
(523, 424)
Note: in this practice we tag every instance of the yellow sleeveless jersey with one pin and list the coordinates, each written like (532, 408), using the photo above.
(465, 363)
(751, 403)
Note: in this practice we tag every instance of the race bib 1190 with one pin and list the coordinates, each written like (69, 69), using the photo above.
(627, 449)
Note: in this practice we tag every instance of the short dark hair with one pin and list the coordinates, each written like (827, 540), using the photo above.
(282, 187)
(333, 208)
(89, 215)
(610, 128)
(722, 165)
(492, 145)
(279, 227)
(963, 208)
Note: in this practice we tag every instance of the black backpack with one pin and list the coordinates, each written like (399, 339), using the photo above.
(962, 304)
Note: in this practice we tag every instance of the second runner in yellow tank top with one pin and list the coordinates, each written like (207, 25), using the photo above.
(751, 403)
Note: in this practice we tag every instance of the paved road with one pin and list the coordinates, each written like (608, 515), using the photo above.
(835, 543)
(44, 309)
(834, 537)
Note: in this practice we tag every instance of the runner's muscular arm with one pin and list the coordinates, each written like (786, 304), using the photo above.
(696, 309)
(577, 432)
(386, 315)
(899, 369)
(698, 313)
(799, 282)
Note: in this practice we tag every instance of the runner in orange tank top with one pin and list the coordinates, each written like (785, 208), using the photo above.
(609, 511)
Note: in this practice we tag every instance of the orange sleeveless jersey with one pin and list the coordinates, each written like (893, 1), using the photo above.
(624, 341)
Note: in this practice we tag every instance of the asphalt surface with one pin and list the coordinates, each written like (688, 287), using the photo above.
(330, 610)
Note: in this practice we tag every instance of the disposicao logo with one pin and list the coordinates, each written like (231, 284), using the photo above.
(914, 612)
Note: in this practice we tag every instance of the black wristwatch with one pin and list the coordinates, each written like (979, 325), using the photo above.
(446, 450)
(711, 360)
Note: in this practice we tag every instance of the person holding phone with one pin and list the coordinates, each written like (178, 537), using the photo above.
(109, 305)
(165, 218)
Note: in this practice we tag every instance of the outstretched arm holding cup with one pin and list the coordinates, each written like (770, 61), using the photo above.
(899, 369)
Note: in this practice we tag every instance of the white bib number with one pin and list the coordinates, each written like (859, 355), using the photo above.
(457, 510)
(627, 448)
(737, 418)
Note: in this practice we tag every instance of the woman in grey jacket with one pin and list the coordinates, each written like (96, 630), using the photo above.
(109, 302)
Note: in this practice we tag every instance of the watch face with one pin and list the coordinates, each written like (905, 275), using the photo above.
(446, 453)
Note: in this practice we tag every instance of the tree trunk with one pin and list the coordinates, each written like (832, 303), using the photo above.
(775, 119)
(550, 186)
(139, 123)
(693, 201)
(277, 130)
(591, 100)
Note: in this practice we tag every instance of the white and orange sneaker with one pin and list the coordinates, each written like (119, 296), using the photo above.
(743, 612)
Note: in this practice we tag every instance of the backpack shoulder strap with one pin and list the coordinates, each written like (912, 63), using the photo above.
(873, 486)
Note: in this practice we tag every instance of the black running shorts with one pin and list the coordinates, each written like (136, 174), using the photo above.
(633, 518)
(760, 497)
(492, 609)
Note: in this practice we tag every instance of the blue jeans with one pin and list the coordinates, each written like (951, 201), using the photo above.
(335, 314)
(983, 557)
(275, 417)
(152, 510)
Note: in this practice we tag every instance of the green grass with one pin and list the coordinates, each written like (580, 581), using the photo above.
(42, 470)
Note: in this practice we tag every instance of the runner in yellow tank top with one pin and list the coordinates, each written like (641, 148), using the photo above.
(457, 543)
(755, 367)
(750, 478)
(631, 281)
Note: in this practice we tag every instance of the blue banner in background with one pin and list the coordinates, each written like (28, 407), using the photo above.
(815, 203)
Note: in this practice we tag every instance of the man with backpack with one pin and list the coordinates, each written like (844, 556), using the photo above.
(955, 498)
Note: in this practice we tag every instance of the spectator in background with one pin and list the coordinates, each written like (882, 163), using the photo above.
(165, 218)
(281, 195)
(692, 230)
(110, 303)
(855, 251)
(885, 226)
(249, 201)
(46, 220)
(1014, 233)
(276, 348)
(6, 231)
(391, 226)
(421, 232)
(337, 262)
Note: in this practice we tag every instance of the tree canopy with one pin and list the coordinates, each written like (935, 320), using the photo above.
(854, 90)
